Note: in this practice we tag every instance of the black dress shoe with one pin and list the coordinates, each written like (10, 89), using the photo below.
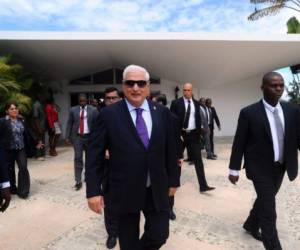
(172, 215)
(23, 196)
(214, 155)
(211, 158)
(256, 234)
(111, 242)
(78, 186)
(206, 189)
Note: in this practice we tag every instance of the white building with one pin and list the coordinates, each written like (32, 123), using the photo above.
(228, 69)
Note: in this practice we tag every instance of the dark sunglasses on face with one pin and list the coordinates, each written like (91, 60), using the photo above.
(139, 83)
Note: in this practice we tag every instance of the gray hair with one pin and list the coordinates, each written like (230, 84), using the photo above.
(134, 68)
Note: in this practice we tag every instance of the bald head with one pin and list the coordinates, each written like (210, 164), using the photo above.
(188, 90)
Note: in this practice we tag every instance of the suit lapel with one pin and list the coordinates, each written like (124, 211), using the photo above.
(265, 119)
(286, 116)
(183, 106)
(154, 117)
(128, 120)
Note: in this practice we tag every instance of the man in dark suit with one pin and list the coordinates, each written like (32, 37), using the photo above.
(111, 96)
(188, 113)
(143, 168)
(267, 136)
(212, 117)
(78, 132)
(4, 177)
(205, 129)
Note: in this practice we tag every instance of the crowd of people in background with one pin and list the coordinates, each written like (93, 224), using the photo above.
(133, 161)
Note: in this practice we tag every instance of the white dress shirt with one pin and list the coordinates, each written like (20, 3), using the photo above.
(270, 115)
(192, 121)
(148, 120)
(5, 184)
(86, 129)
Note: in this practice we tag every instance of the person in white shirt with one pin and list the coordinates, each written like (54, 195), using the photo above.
(267, 137)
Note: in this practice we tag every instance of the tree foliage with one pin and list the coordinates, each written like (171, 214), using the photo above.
(293, 26)
(15, 84)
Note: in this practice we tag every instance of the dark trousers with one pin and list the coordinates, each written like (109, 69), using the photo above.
(156, 229)
(53, 139)
(211, 138)
(40, 152)
(263, 214)
(19, 156)
(171, 202)
(194, 146)
(80, 144)
(110, 219)
(189, 157)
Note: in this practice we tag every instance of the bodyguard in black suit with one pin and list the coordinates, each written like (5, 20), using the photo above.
(267, 136)
(188, 113)
(212, 118)
(142, 165)
(4, 177)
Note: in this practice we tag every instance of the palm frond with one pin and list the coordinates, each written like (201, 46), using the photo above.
(272, 10)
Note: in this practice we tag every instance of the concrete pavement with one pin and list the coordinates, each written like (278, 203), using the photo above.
(57, 217)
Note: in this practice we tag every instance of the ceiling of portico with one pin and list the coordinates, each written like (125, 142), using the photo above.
(205, 60)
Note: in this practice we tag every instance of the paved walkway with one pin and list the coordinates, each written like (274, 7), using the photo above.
(56, 217)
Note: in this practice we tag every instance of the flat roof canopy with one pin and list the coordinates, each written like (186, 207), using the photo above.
(203, 59)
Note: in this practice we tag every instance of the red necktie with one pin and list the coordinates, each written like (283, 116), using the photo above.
(81, 125)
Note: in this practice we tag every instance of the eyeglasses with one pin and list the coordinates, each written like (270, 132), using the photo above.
(274, 85)
(139, 83)
(111, 97)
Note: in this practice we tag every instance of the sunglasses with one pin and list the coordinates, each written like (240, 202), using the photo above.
(139, 83)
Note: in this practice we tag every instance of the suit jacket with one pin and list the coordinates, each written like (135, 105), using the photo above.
(204, 121)
(30, 140)
(177, 134)
(74, 120)
(130, 161)
(178, 108)
(253, 141)
(3, 164)
(214, 118)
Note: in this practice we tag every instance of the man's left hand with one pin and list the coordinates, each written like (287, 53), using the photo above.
(172, 191)
(180, 162)
(4, 198)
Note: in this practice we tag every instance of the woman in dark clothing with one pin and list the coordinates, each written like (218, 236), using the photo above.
(14, 144)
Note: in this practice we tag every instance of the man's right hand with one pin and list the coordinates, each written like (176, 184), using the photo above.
(96, 204)
(233, 178)
(4, 199)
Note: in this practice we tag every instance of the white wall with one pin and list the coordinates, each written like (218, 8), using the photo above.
(229, 99)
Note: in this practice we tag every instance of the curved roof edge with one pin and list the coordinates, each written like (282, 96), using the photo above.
(185, 36)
